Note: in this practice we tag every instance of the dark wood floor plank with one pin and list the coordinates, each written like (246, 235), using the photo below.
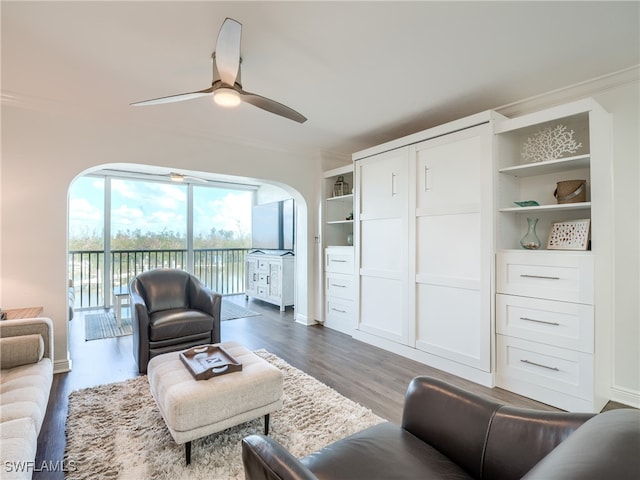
(368, 375)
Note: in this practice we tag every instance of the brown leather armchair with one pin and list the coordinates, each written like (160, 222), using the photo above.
(449, 433)
(171, 311)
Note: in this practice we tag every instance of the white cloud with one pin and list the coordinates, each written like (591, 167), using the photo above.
(124, 188)
(170, 197)
(155, 207)
(80, 209)
(169, 219)
(127, 217)
(232, 212)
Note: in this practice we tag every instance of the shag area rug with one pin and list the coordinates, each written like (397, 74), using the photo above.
(115, 431)
(103, 325)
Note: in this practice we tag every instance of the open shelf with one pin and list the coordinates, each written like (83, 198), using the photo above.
(338, 231)
(341, 197)
(551, 166)
(548, 208)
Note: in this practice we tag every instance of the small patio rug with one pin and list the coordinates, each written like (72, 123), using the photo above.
(103, 325)
(231, 310)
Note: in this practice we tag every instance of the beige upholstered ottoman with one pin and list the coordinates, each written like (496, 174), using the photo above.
(196, 408)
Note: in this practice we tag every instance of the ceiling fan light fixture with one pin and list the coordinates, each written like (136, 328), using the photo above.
(226, 97)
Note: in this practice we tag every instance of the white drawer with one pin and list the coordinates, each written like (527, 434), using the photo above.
(338, 261)
(340, 285)
(340, 315)
(549, 374)
(563, 324)
(565, 276)
(263, 265)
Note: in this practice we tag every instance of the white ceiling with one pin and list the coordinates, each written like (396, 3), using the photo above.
(362, 72)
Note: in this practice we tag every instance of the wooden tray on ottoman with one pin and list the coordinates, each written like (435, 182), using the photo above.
(208, 361)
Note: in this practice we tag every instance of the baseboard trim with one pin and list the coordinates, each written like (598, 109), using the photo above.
(62, 366)
(625, 396)
(464, 371)
(304, 320)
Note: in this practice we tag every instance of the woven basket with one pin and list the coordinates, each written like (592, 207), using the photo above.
(571, 191)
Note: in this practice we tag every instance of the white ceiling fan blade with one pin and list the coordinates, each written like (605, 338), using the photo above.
(174, 98)
(272, 106)
(227, 56)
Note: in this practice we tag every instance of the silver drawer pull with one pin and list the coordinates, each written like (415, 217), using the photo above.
(337, 285)
(338, 310)
(338, 261)
(556, 324)
(540, 276)
(540, 365)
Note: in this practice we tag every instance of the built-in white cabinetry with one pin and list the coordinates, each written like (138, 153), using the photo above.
(441, 276)
(453, 243)
(339, 273)
(271, 278)
(339, 289)
(338, 207)
(383, 233)
(553, 307)
(424, 210)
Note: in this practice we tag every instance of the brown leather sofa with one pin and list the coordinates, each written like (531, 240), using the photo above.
(449, 433)
(171, 311)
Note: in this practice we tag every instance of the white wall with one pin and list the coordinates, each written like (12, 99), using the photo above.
(43, 152)
(623, 103)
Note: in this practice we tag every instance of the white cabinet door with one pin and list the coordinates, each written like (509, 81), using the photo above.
(383, 184)
(448, 172)
(252, 276)
(382, 221)
(453, 247)
(274, 280)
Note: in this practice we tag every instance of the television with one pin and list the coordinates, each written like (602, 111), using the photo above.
(273, 226)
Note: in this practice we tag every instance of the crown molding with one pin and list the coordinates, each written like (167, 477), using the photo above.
(573, 92)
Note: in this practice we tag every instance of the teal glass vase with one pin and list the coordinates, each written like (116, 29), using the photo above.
(530, 241)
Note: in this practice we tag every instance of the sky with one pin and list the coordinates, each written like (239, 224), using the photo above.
(155, 207)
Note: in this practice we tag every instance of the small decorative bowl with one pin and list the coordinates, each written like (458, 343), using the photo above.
(527, 203)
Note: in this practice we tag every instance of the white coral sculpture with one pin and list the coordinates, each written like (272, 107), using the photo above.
(549, 144)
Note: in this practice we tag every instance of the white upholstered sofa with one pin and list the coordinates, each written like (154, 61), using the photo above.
(26, 357)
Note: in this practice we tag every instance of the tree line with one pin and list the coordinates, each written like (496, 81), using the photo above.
(164, 240)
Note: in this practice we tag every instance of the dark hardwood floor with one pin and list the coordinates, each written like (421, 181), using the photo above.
(368, 375)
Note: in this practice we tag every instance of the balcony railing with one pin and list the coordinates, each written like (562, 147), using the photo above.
(221, 269)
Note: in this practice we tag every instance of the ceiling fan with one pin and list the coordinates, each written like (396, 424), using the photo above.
(173, 176)
(180, 178)
(226, 86)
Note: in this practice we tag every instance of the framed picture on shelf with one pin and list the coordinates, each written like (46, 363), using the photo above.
(569, 235)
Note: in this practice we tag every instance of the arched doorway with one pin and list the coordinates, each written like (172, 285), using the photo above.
(108, 273)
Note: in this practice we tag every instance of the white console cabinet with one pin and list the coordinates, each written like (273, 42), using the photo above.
(271, 278)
